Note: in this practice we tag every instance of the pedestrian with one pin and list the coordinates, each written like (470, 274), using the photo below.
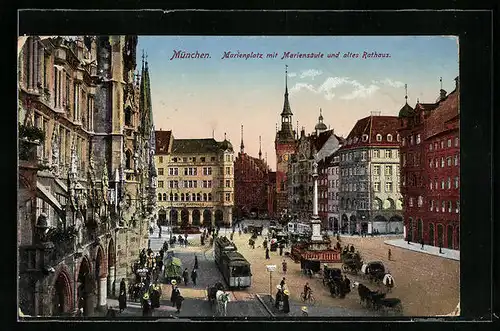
(286, 303)
(175, 292)
(231, 236)
(195, 262)
(194, 275)
(281, 249)
(267, 254)
(122, 298)
(146, 307)
(347, 283)
(178, 303)
(422, 243)
(279, 297)
(389, 254)
(283, 283)
(284, 267)
(185, 276)
(155, 296)
(440, 250)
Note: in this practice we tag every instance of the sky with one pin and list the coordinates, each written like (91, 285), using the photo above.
(195, 97)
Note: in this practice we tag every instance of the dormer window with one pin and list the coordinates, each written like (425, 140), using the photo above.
(364, 138)
(389, 137)
(379, 137)
(356, 140)
(398, 137)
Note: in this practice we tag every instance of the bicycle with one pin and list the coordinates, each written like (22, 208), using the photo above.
(310, 298)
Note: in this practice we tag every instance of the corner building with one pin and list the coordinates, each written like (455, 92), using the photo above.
(84, 206)
(195, 181)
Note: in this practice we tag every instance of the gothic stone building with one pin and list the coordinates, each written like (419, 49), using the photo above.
(369, 177)
(195, 180)
(83, 211)
(251, 184)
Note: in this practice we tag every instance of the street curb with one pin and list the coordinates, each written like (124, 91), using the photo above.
(444, 256)
(265, 306)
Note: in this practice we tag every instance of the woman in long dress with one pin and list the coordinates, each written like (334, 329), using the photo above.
(122, 298)
(286, 303)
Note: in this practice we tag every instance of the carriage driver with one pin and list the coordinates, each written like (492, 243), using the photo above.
(307, 291)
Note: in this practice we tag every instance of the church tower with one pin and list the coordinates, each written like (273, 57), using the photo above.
(285, 145)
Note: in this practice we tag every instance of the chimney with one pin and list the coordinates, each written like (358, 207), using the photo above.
(442, 94)
(457, 83)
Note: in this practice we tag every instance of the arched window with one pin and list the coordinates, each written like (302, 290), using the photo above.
(171, 197)
(159, 196)
(204, 197)
(389, 137)
(164, 196)
(198, 197)
(128, 116)
(128, 159)
(176, 197)
(209, 196)
(188, 196)
(182, 196)
(356, 139)
(379, 137)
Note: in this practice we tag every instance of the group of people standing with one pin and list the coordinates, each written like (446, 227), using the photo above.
(282, 301)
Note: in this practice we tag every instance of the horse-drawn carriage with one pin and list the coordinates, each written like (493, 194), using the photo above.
(351, 262)
(376, 272)
(332, 277)
(310, 267)
(254, 229)
(217, 295)
(377, 300)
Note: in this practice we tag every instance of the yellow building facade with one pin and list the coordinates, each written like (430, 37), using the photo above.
(195, 181)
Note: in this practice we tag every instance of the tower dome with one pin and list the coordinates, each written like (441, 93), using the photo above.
(320, 126)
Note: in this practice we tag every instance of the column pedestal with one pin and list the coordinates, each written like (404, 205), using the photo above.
(103, 289)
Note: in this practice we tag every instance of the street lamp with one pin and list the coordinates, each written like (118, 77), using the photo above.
(271, 268)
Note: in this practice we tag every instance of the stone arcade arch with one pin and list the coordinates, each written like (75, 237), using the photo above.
(395, 224)
(184, 217)
(101, 276)
(432, 239)
(61, 299)
(219, 218)
(111, 268)
(196, 217)
(86, 287)
(449, 235)
(174, 216)
(409, 230)
(207, 217)
(344, 224)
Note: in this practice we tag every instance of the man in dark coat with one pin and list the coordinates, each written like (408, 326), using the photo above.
(178, 303)
(279, 297)
(195, 262)
(194, 275)
(282, 283)
(185, 276)
(146, 307)
(281, 249)
(122, 298)
(175, 293)
(286, 303)
(264, 244)
(267, 254)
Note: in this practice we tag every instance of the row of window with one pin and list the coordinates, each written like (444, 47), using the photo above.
(185, 159)
(376, 154)
(444, 185)
(445, 206)
(412, 140)
(194, 184)
(434, 163)
(442, 144)
(192, 171)
(378, 138)
(194, 197)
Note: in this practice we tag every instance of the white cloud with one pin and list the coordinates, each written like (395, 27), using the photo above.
(292, 74)
(331, 83)
(310, 73)
(389, 82)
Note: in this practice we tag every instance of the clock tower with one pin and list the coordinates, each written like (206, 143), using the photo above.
(285, 145)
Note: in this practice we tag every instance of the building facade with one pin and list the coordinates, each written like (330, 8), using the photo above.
(285, 146)
(369, 177)
(195, 180)
(77, 208)
(332, 166)
(432, 211)
(251, 184)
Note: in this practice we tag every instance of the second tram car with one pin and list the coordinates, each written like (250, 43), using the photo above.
(234, 267)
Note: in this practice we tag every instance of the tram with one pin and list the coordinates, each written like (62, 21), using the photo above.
(233, 266)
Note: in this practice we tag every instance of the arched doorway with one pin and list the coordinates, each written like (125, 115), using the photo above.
(174, 216)
(162, 217)
(86, 288)
(61, 299)
(196, 217)
(207, 217)
(440, 233)
(395, 224)
(449, 239)
(99, 274)
(345, 222)
(336, 226)
(111, 268)
(219, 218)
(432, 240)
(352, 224)
(409, 228)
(457, 237)
(184, 218)
(420, 230)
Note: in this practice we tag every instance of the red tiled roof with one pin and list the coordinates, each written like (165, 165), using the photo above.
(446, 110)
(372, 126)
(162, 142)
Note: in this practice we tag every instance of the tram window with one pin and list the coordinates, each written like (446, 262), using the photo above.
(240, 271)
